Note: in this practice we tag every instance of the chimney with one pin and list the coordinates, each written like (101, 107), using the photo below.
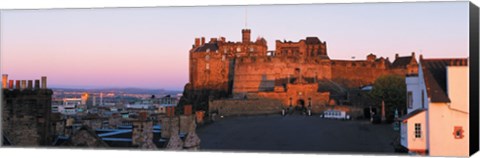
(170, 111)
(30, 84)
(223, 39)
(17, 84)
(421, 57)
(37, 84)
(10, 84)
(246, 36)
(44, 82)
(143, 115)
(202, 41)
(197, 42)
(413, 54)
(396, 56)
(4, 80)
(187, 110)
(24, 84)
(213, 40)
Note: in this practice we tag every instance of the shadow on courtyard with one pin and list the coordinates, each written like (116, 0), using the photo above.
(295, 133)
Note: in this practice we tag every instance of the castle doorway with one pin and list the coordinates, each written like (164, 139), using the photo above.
(301, 103)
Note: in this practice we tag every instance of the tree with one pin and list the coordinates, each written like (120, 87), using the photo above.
(392, 90)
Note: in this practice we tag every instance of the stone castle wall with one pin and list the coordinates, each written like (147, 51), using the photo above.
(257, 74)
(232, 107)
(357, 73)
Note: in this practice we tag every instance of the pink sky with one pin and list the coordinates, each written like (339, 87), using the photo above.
(148, 47)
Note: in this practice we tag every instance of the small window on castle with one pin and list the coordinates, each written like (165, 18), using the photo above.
(207, 66)
(208, 50)
(223, 57)
(251, 49)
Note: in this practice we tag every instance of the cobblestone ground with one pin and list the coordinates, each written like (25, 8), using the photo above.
(296, 133)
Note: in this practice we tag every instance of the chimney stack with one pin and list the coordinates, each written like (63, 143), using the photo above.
(4, 80)
(24, 84)
(197, 42)
(37, 84)
(143, 115)
(413, 54)
(30, 84)
(10, 84)
(44, 82)
(17, 84)
(187, 110)
(202, 41)
(396, 56)
(213, 40)
(170, 111)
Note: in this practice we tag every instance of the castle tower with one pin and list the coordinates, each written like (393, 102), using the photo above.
(246, 36)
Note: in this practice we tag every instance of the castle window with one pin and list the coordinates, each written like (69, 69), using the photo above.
(207, 66)
(251, 49)
(223, 57)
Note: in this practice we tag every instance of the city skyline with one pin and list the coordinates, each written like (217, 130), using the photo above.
(148, 47)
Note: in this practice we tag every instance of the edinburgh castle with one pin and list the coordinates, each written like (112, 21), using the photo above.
(294, 74)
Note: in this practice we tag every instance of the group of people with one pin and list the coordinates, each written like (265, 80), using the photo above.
(291, 110)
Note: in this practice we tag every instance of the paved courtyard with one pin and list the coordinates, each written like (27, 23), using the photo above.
(296, 133)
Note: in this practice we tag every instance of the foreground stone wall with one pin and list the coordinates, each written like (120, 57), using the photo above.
(26, 116)
(230, 107)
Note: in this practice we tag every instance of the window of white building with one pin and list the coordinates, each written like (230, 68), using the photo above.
(418, 130)
(409, 100)
(423, 99)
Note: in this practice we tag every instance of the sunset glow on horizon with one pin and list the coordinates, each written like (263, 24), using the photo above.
(148, 47)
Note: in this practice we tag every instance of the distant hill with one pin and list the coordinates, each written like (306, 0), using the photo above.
(121, 90)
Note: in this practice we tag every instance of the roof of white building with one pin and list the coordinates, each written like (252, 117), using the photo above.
(435, 73)
(412, 114)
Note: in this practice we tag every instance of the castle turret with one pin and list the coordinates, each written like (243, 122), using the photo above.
(246, 35)
(197, 42)
(371, 57)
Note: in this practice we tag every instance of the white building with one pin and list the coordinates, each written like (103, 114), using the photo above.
(69, 106)
(438, 109)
